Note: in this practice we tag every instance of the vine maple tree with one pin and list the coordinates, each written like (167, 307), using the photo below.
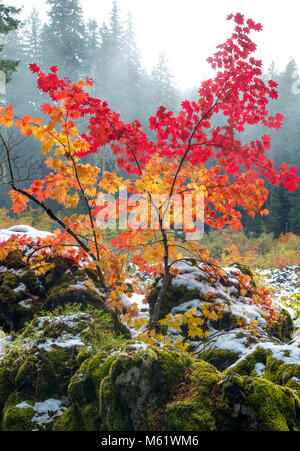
(190, 154)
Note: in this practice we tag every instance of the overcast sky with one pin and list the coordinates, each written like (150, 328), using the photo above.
(189, 30)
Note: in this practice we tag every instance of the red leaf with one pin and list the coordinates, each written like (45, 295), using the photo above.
(34, 68)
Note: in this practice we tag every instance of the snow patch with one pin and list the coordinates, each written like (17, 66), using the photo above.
(20, 289)
(21, 230)
(45, 412)
(260, 369)
(26, 304)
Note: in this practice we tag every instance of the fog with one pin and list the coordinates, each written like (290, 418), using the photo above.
(188, 31)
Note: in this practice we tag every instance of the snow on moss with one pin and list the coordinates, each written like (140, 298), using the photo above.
(45, 412)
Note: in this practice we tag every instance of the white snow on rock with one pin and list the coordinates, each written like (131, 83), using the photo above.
(193, 278)
(21, 230)
(237, 340)
(45, 412)
(82, 285)
(288, 353)
(27, 303)
(65, 340)
(286, 281)
(20, 289)
(260, 369)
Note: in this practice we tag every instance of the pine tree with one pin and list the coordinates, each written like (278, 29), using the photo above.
(93, 43)
(32, 38)
(111, 59)
(8, 23)
(25, 43)
(64, 38)
(163, 89)
(134, 76)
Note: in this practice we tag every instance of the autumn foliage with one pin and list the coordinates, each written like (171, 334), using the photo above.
(189, 154)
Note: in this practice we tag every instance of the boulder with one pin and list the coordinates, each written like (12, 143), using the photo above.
(39, 363)
(162, 390)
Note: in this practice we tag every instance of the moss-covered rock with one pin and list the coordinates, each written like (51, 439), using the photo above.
(281, 373)
(61, 271)
(255, 404)
(84, 385)
(263, 363)
(283, 329)
(231, 403)
(246, 366)
(138, 383)
(175, 295)
(70, 421)
(146, 388)
(16, 305)
(14, 260)
(192, 408)
(17, 419)
(40, 363)
(219, 358)
(23, 292)
(64, 294)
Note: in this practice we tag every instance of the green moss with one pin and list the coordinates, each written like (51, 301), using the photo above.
(282, 373)
(12, 315)
(13, 261)
(91, 417)
(6, 383)
(183, 416)
(46, 375)
(219, 358)
(71, 420)
(256, 404)
(276, 408)
(203, 379)
(16, 419)
(85, 383)
(246, 367)
(83, 355)
(193, 409)
(294, 384)
(231, 402)
(283, 329)
(57, 274)
(27, 374)
(10, 280)
(32, 283)
(8, 302)
(173, 297)
(77, 418)
(62, 295)
(173, 366)
(139, 383)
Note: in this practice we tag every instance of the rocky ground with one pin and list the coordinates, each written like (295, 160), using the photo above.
(63, 368)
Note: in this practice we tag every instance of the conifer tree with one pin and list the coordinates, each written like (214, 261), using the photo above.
(32, 38)
(92, 49)
(163, 89)
(64, 38)
(8, 23)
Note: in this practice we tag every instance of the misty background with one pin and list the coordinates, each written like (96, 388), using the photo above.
(106, 49)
